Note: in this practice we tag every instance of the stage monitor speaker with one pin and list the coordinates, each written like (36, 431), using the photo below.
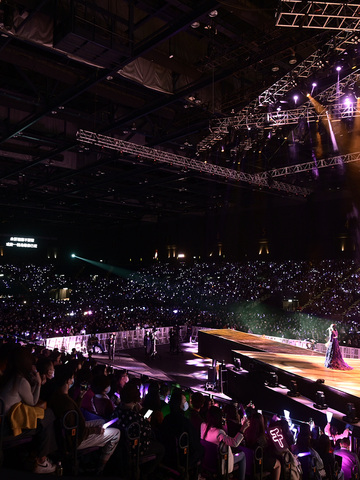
(212, 375)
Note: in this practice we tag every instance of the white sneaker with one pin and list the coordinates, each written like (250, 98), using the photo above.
(46, 467)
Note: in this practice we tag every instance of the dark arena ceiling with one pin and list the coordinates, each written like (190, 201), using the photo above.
(142, 112)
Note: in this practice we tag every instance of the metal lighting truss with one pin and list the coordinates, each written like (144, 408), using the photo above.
(325, 15)
(339, 89)
(309, 166)
(292, 117)
(86, 137)
(219, 127)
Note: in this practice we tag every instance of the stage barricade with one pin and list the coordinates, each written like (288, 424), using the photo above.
(124, 340)
(347, 352)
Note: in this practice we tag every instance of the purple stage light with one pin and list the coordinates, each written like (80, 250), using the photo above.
(338, 68)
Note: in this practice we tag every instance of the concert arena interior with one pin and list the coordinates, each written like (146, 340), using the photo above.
(180, 233)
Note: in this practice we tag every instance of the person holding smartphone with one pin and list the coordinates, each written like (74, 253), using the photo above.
(90, 433)
(128, 412)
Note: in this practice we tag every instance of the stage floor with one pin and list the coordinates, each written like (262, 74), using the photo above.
(312, 368)
(256, 342)
(290, 359)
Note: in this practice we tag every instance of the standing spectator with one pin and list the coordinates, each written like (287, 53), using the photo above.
(111, 346)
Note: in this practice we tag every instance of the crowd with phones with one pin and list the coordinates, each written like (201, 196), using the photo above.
(42, 386)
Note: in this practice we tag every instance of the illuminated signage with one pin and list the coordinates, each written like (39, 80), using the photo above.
(277, 436)
(22, 242)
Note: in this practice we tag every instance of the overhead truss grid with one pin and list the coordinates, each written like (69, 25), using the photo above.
(320, 15)
(122, 146)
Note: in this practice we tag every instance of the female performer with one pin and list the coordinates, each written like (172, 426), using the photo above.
(333, 357)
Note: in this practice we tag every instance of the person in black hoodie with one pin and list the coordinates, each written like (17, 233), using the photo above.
(173, 425)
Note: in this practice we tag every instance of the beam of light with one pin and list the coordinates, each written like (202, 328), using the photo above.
(355, 138)
(332, 135)
(315, 170)
(319, 151)
(323, 113)
(120, 272)
(313, 86)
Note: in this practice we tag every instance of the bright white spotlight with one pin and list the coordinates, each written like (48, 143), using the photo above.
(296, 98)
(338, 68)
(73, 255)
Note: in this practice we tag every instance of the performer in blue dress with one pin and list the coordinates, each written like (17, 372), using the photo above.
(333, 357)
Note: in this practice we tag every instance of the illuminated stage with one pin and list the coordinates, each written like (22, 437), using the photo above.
(260, 356)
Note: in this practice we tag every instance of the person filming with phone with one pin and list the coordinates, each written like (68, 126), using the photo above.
(127, 413)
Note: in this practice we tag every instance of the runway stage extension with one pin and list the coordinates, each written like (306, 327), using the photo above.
(288, 361)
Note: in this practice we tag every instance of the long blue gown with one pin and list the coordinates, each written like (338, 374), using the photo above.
(333, 357)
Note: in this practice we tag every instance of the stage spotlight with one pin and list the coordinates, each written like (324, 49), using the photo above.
(73, 255)
(350, 416)
(293, 391)
(320, 401)
(272, 380)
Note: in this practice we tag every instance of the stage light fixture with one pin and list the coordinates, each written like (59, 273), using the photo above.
(320, 401)
(293, 389)
(350, 416)
(73, 255)
(237, 364)
(273, 380)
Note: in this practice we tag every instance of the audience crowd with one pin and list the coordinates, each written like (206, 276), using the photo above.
(38, 387)
(39, 302)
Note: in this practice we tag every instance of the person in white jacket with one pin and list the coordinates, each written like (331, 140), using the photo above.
(213, 431)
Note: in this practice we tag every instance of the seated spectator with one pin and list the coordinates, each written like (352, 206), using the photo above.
(20, 389)
(193, 414)
(174, 424)
(208, 402)
(152, 402)
(325, 450)
(83, 394)
(103, 406)
(90, 433)
(350, 460)
(303, 449)
(233, 421)
(255, 436)
(214, 432)
(55, 357)
(335, 436)
(128, 412)
(164, 398)
(46, 369)
(118, 381)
